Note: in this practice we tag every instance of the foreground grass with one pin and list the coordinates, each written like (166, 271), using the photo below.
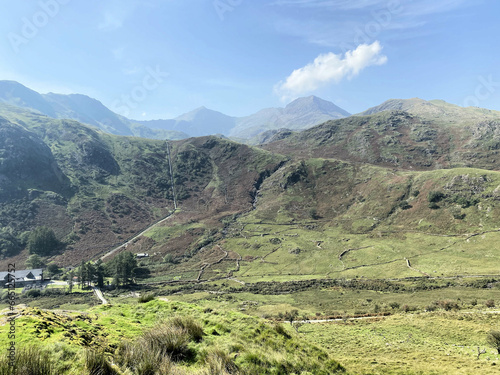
(165, 337)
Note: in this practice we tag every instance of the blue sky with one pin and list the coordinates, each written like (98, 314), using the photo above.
(150, 59)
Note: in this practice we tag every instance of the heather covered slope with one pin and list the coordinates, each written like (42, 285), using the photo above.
(399, 139)
(240, 205)
(96, 189)
(324, 218)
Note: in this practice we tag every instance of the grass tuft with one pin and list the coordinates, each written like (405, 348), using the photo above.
(30, 360)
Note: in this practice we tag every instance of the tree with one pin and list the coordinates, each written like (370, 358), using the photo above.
(121, 268)
(290, 316)
(129, 264)
(90, 272)
(34, 261)
(42, 241)
(9, 244)
(70, 281)
(82, 274)
(99, 273)
(494, 340)
(53, 269)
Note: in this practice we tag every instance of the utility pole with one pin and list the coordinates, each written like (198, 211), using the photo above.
(171, 174)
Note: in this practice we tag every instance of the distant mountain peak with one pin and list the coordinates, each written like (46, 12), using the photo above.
(313, 103)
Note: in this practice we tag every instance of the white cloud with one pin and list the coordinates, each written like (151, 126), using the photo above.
(330, 68)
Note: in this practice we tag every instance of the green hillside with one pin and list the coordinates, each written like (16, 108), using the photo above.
(163, 338)
(400, 139)
(385, 225)
(96, 190)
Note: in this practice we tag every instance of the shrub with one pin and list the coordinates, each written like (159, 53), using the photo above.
(494, 340)
(433, 206)
(407, 308)
(394, 305)
(435, 196)
(430, 308)
(33, 293)
(447, 305)
(280, 329)
(490, 303)
(404, 205)
(169, 258)
(146, 298)
(42, 241)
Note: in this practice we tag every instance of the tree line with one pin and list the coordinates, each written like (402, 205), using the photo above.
(122, 269)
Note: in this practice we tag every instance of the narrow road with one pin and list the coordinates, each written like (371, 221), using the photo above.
(99, 295)
(124, 245)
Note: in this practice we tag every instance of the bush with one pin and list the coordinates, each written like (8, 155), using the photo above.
(407, 308)
(404, 205)
(431, 308)
(494, 340)
(42, 241)
(146, 298)
(433, 206)
(280, 329)
(490, 303)
(394, 305)
(33, 293)
(435, 196)
(447, 305)
(169, 258)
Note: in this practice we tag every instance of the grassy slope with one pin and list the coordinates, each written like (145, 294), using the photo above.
(115, 186)
(254, 346)
(308, 214)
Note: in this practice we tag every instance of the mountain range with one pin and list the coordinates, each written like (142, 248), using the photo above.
(300, 114)
(98, 188)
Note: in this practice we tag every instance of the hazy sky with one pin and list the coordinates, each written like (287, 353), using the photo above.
(160, 58)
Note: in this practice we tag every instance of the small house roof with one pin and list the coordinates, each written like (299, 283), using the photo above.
(21, 275)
